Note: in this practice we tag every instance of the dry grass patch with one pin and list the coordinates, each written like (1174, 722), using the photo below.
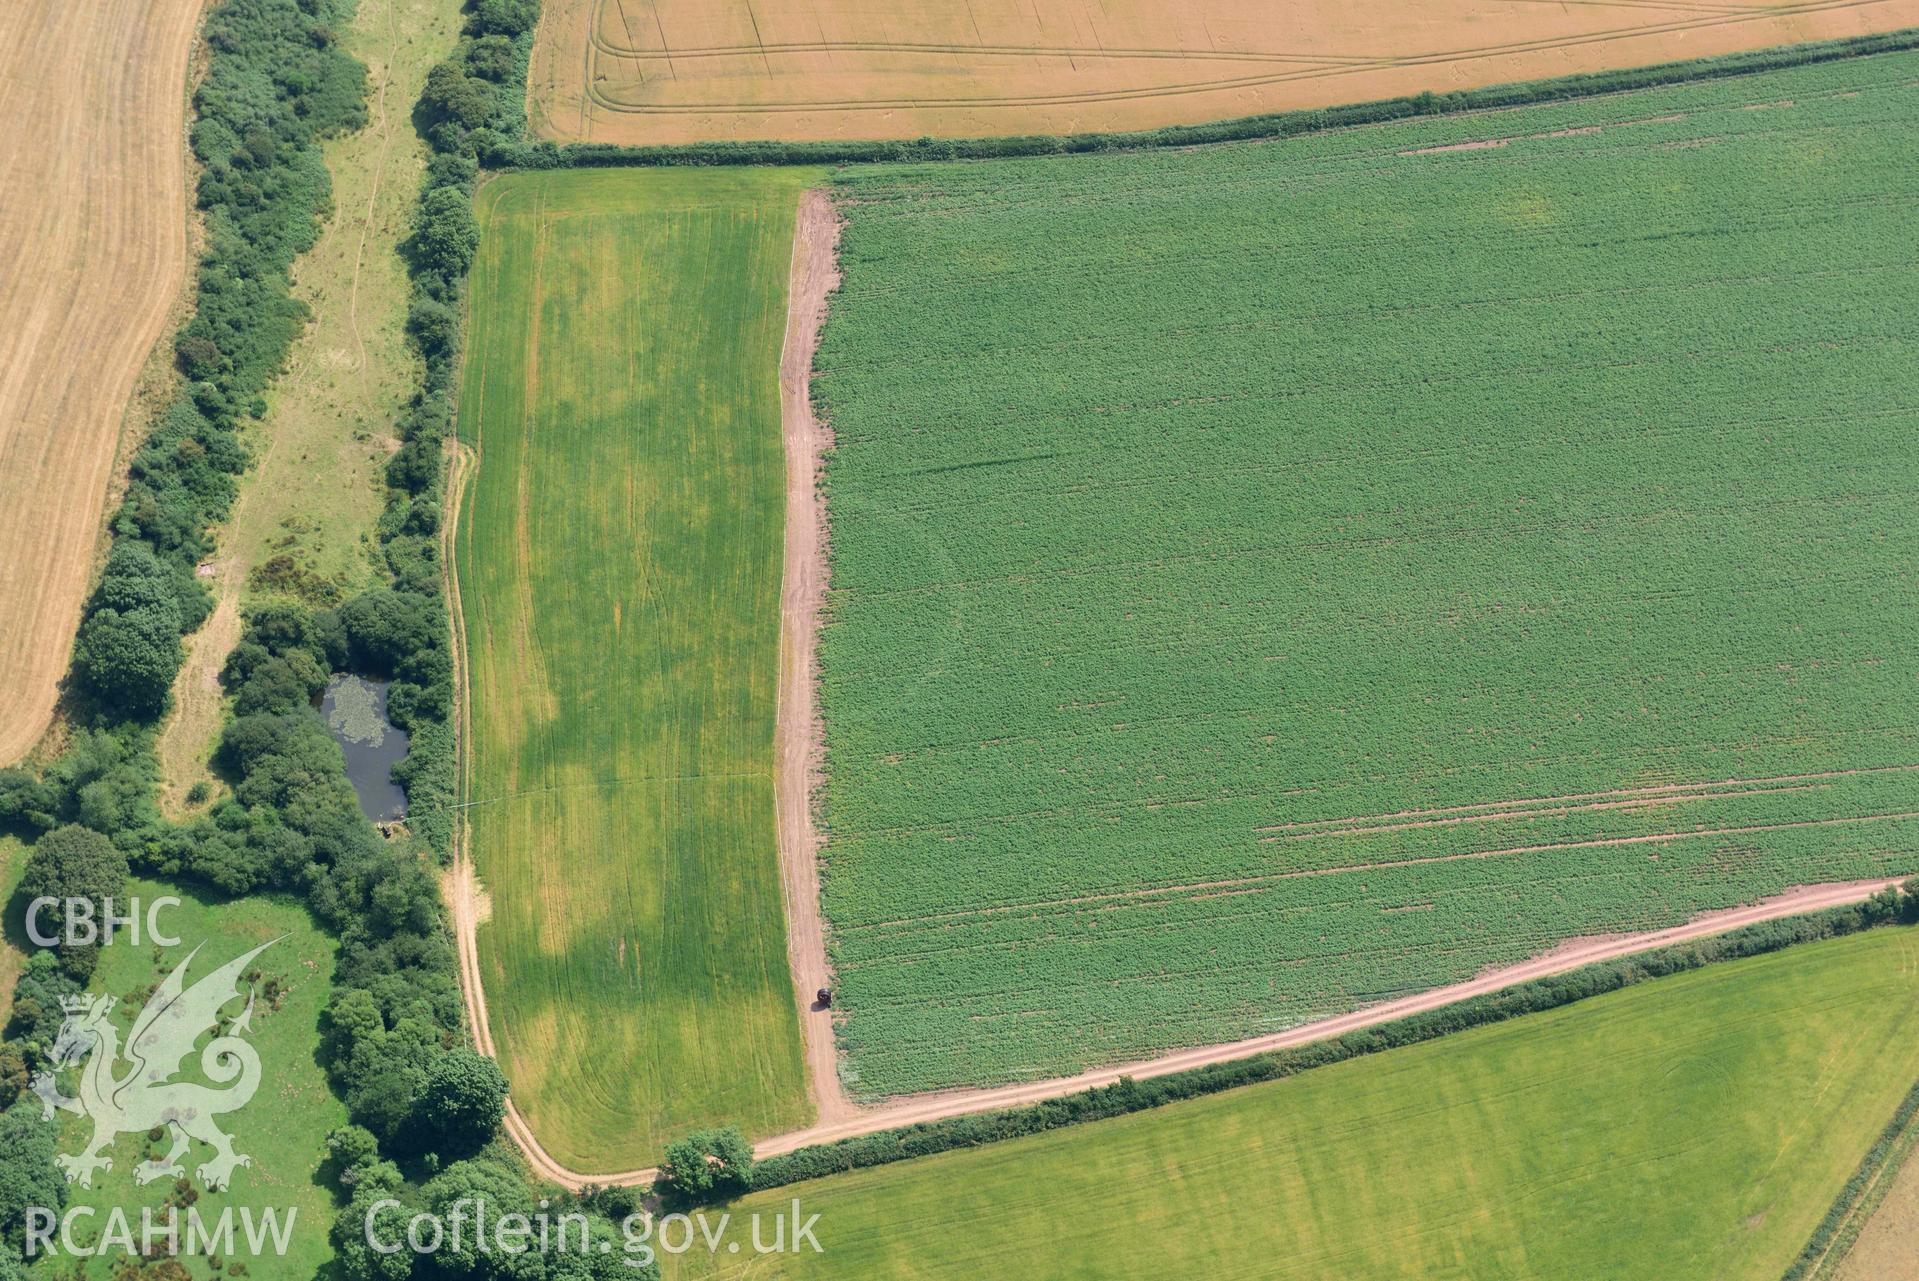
(618, 563)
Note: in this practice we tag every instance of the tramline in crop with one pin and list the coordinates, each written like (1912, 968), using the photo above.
(1269, 579)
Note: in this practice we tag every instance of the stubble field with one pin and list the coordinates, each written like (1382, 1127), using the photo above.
(1691, 1127)
(618, 560)
(1268, 580)
(93, 251)
(682, 71)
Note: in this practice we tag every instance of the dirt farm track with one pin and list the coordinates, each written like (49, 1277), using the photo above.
(684, 71)
(93, 250)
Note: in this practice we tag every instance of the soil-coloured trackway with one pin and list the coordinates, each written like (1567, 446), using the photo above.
(93, 252)
(799, 742)
(933, 1107)
(798, 751)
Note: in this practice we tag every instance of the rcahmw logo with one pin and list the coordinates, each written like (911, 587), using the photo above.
(76, 922)
(131, 1089)
(146, 1097)
(268, 1230)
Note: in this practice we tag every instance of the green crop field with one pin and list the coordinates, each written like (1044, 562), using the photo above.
(1692, 1127)
(283, 1129)
(1268, 579)
(618, 561)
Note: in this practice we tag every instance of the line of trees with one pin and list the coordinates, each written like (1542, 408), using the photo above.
(425, 1110)
(516, 153)
(1891, 906)
(276, 85)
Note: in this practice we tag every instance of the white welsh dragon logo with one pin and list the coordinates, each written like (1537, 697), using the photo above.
(147, 1097)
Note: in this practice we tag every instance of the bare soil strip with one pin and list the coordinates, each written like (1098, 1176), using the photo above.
(933, 1107)
(93, 254)
(687, 71)
(813, 277)
(799, 743)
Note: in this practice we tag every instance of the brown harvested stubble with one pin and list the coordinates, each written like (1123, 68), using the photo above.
(686, 71)
(93, 253)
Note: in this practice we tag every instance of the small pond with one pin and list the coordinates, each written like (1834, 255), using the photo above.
(355, 712)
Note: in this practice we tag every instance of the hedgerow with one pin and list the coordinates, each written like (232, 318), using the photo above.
(276, 85)
(1131, 1095)
(513, 153)
(1836, 1232)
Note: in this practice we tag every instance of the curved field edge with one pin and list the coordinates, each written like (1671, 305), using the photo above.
(93, 258)
(1697, 1125)
(618, 576)
(1375, 565)
(514, 151)
(689, 71)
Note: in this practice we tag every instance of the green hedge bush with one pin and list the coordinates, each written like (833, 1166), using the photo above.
(1129, 1095)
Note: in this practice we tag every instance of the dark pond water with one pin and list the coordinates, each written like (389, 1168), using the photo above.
(355, 711)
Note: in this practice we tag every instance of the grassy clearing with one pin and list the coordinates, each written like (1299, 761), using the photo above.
(1270, 579)
(619, 570)
(284, 1128)
(1693, 1127)
(303, 525)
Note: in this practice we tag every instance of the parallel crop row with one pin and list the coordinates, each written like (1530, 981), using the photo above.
(1269, 579)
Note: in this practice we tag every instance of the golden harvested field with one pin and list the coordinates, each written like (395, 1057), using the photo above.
(680, 71)
(93, 250)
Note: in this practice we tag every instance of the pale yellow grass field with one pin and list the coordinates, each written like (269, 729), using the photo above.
(93, 252)
(679, 71)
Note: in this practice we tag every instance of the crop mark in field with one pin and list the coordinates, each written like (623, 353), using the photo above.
(1527, 807)
(601, 43)
(1507, 816)
(598, 96)
(1199, 888)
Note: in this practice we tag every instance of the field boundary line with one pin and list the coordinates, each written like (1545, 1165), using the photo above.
(460, 884)
(581, 151)
(1656, 794)
(1714, 18)
(799, 739)
(916, 1109)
